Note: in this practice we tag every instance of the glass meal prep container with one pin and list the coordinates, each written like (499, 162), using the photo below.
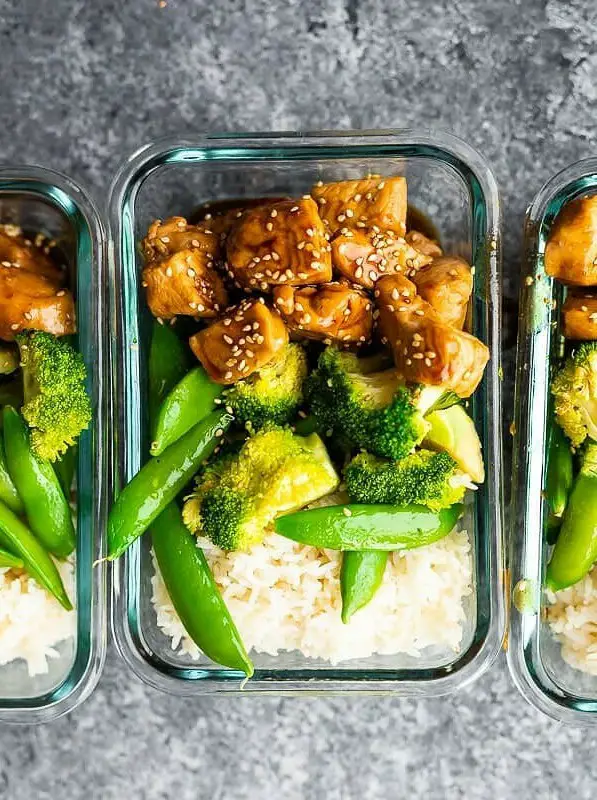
(542, 675)
(41, 200)
(449, 182)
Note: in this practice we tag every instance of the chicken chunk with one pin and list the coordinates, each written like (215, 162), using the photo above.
(426, 350)
(363, 258)
(579, 314)
(571, 250)
(279, 243)
(446, 284)
(375, 202)
(18, 251)
(332, 312)
(34, 302)
(425, 245)
(241, 342)
(180, 277)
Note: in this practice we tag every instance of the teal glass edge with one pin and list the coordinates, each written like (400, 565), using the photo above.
(539, 341)
(72, 202)
(485, 221)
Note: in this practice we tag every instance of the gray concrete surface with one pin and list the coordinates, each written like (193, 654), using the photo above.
(83, 84)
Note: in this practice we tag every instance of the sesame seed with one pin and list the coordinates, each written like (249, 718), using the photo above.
(275, 256)
(227, 321)
(322, 201)
(201, 307)
(390, 307)
(191, 273)
(395, 294)
(228, 339)
(310, 232)
(529, 280)
(267, 257)
(373, 275)
(14, 326)
(341, 217)
(358, 272)
(418, 356)
(270, 226)
(296, 208)
(195, 242)
(274, 213)
(473, 270)
(316, 265)
(192, 305)
(61, 293)
(169, 272)
(165, 239)
(6, 264)
(584, 309)
(428, 362)
(347, 512)
(300, 245)
(408, 362)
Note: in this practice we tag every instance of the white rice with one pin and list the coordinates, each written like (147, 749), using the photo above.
(285, 596)
(573, 619)
(32, 622)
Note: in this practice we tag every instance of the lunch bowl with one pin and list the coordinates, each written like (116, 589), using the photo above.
(40, 200)
(450, 183)
(536, 663)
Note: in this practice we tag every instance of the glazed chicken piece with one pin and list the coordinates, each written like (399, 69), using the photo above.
(30, 301)
(426, 350)
(180, 276)
(377, 203)
(579, 314)
(425, 245)
(279, 243)
(16, 250)
(446, 284)
(332, 312)
(571, 251)
(363, 257)
(241, 342)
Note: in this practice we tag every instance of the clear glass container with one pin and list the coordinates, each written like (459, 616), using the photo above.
(534, 655)
(452, 184)
(42, 200)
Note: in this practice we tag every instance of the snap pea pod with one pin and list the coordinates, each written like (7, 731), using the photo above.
(360, 577)
(186, 404)
(46, 507)
(168, 362)
(558, 480)
(368, 527)
(194, 593)
(160, 480)
(16, 537)
(64, 467)
(8, 560)
(8, 491)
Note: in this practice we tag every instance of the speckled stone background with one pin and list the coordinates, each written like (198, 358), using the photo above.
(83, 84)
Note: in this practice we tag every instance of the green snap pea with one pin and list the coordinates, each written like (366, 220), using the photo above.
(16, 537)
(8, 491)
(168, 362)
(369, 527)
(8, 560)
(46, 507)
(360, 577)
(160, 480)
(188, 403)
(194, 592)
(558, 479)
(65, 467)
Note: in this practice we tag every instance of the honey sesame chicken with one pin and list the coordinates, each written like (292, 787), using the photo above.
(571, 250)
(331, 312)
(279, 243)
(363, 257)
(30, 301)
(180, 276)
(579, 314)
(241, 342)
(446, 284)
(425, 245)
(427, 350)
(16, 250)
(373, 202)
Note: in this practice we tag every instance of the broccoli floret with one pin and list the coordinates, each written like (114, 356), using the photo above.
(370, 405)
(424, 478)
(273, 393)
(56, 406)
(238, 496)
(574, 388)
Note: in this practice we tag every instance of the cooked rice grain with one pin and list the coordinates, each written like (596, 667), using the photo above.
(32, 622)
(286, 596)
(573, 619)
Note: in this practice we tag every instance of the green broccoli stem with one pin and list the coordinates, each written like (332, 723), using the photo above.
(576, 548)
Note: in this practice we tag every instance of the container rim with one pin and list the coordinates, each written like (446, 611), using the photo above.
(72, 200)
(527, 561)
(289, 146)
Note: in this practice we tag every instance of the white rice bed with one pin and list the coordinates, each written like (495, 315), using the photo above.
(32, 622)
(284, 596)
(573, 619)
